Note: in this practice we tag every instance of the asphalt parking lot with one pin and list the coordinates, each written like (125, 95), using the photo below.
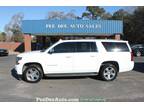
(128, 86)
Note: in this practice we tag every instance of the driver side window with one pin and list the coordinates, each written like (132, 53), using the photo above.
(66, 47)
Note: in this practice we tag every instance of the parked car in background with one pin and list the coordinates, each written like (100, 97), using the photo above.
(138, 49)
(105, 58)
(3, 52)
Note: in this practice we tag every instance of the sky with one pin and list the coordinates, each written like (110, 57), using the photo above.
(40, 12)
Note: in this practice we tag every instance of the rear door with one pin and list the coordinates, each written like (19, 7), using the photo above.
(85, 57)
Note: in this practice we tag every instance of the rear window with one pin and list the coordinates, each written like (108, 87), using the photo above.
(116, 46)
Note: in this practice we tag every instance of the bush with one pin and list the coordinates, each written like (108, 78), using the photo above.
(2, 37)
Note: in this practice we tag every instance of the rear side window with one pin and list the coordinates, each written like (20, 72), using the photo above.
(86, 47)
(116, 46)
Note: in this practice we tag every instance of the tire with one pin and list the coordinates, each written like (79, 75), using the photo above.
(138, 53)
(32, 74)
(108, 72)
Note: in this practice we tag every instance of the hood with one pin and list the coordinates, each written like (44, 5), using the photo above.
(29, 53)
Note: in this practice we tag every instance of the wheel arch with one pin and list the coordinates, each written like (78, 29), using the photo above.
(32, 63)
(115, 63)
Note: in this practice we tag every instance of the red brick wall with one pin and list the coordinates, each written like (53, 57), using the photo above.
(11, 46)
(27, 42)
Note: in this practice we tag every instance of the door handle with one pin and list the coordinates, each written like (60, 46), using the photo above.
(68, 56)
(92, 56)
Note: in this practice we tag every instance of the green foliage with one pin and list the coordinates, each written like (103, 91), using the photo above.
(2, 37)
(120, 14)
(95, 12)
(18, 38)
(138, 24)
(127, 24)
(134, 26)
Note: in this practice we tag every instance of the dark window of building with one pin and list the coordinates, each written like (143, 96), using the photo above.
(116, 46)
(86, 47)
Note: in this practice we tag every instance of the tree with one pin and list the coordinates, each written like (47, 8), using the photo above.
(61, 15)
(130, 9)
(133, 22)
(95, 12)
(138, 24)
(120, 14)
(13, 28)
(106, 16)
(125, 16)
(2, 36)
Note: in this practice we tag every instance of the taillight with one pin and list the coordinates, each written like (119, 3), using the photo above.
(132, 56)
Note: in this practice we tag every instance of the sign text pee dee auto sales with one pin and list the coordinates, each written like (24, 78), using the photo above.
(73, 26)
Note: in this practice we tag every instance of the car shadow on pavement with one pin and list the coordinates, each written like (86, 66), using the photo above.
(139, 67)
(70, 77)
(14, 74)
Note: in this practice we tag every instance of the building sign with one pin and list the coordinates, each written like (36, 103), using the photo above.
(72, 27)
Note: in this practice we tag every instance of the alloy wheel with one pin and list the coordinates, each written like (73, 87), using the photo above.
(32, 74)
(109, 73)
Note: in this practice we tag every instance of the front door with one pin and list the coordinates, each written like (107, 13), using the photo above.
(61, 58)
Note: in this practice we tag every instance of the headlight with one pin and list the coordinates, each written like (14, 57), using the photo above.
(18, 59)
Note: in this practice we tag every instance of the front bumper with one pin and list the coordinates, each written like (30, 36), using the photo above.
(18, 69)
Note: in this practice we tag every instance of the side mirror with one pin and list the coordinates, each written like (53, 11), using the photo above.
(51, 51)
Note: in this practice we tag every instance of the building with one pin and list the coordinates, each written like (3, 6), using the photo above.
(47, 31)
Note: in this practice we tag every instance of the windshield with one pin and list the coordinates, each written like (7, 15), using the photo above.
(43, 50)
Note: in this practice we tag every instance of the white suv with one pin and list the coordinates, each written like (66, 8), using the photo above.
(76, 58)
